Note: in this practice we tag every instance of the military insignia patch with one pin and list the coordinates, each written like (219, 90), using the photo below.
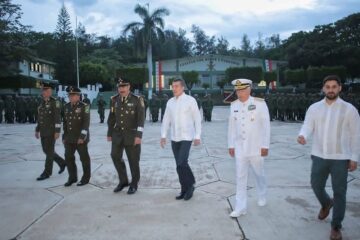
(57, 104)
(87, 109)
(252, 107)
(142, 102)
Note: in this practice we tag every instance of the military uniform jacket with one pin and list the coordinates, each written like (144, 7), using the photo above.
(76, 122)
(126, 118)
(49, 117)
(101, 104)
(249, 127)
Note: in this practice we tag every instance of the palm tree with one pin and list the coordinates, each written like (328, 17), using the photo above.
(150, 28)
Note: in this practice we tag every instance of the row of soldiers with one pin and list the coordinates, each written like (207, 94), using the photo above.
(292, 106)
(158, 104)
(20, 109)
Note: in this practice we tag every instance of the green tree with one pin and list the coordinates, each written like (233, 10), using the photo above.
(150, 28)
(270, 77)
(205, 86)
(109, 58)
(221, 84)
(136, 75)
(42, 44)
(176, 45)
(65, 55)
(259, 49)
(92, 73)
(253, 73)
(190, 78)
(203, 44)
(12, 38)
(222, 46)
(295, 77)
(246, 48)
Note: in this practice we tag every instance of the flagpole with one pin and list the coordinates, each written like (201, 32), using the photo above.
(77, 54)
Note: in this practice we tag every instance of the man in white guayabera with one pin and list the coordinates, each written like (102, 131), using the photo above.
(182, 116)
(248, 142)
(335, 126)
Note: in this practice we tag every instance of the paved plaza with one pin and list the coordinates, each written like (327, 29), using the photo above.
(44, 210)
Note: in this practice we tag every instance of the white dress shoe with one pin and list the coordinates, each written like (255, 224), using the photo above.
(262, 202)
(235, 214)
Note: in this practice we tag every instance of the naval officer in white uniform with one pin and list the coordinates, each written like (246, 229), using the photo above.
(248, 142)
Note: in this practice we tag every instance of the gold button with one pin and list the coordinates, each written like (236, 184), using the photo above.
(122, 121)
(122, 128)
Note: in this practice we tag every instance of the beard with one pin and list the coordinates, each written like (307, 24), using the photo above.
(332, 95)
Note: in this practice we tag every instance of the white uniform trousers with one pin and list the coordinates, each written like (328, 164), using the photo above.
(243, 164)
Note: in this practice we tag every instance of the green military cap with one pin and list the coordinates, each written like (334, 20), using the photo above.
(73, 90)
(45, 85)
(123, 82)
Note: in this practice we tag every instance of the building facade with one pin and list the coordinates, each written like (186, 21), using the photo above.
(211, 68)
(30, 74)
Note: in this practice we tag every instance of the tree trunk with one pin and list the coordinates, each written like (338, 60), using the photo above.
(150, 68)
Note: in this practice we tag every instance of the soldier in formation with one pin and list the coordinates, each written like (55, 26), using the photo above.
(154, 106)
(101, 108)
(207, 106)
(163, 103)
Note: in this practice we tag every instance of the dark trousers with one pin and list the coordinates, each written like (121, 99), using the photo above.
(181, 153)
(102, 115)
(48, 147)
(133, 154)
(320, 171)
(82, 149)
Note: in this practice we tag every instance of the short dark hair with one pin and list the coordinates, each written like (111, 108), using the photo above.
(180, 80)
(332, 78)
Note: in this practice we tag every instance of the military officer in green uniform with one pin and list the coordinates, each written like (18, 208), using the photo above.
(208, 106)
(101, 108)
(48, 130)
(9, 109)
(154, 108)
(125, 128)
(87, 100)
(76, 136)
(163, 103)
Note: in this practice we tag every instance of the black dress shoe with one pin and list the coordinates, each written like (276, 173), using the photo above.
(81, 183)
(131, 190)
(69, 183)
(189, 193)
(180, 196)
(120, 187)
(43, 176)
(62, 169)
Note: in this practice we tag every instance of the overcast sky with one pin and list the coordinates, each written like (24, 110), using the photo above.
(228, 18)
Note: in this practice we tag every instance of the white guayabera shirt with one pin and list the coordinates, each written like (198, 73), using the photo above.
(335, 129)
(182, 115)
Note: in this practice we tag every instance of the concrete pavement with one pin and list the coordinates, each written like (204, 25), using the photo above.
(46, 210)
